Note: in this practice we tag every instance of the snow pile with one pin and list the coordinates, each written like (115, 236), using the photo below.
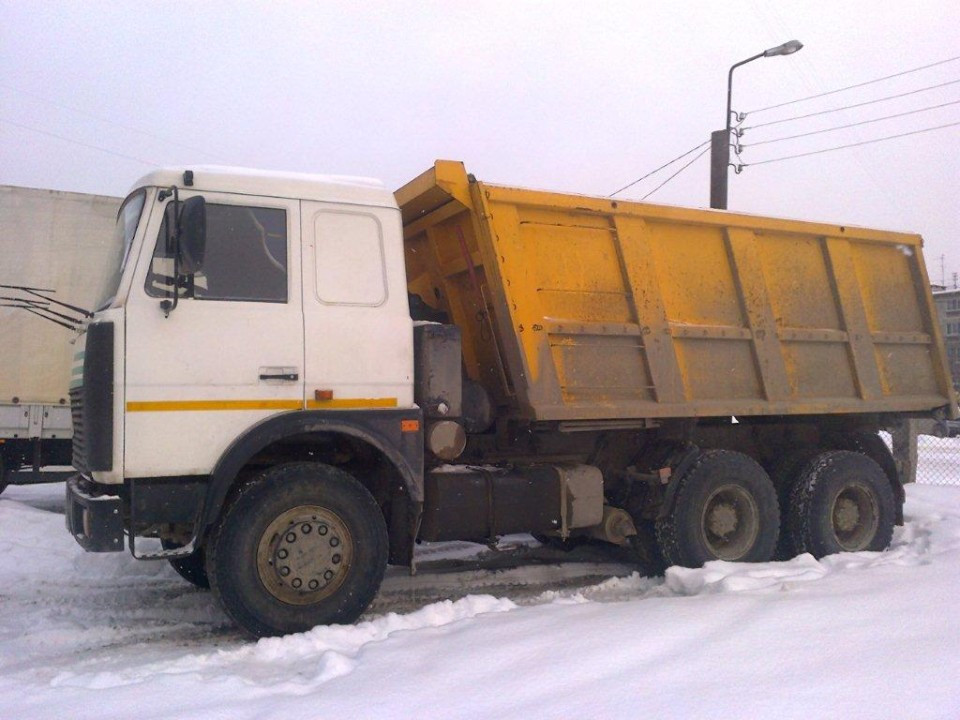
(911, 546)
(719, 576)
(298, 663)
(853, 635)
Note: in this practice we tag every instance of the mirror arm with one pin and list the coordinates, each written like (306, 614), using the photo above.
(168, 306)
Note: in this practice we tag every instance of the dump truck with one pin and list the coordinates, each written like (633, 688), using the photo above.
(295, 379)
(49, 240)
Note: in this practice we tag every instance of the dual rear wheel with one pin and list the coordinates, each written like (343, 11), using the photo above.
(839, 501)
(725, 507)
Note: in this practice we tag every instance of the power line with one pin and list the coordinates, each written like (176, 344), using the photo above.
(78, 142)
(850, 125)
(110, 122)
(654, 172)
(851, 87)
(850, 145)
(698, 156)
(848, 107)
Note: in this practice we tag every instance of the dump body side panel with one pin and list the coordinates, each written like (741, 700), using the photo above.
(583, 308)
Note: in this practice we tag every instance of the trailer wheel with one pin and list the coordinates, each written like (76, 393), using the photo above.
(724, 508)
(191, 568)
(302, 544)
(841, 502)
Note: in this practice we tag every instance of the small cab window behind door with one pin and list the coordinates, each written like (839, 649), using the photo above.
(349, 259)
(245, 259)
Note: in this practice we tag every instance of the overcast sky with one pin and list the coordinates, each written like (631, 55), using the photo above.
(576, 96)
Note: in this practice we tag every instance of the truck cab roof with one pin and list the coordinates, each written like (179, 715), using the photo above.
(269, 183)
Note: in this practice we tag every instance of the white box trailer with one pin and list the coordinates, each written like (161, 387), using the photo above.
(57, 241)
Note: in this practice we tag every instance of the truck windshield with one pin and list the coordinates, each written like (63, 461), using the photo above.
(127, 220)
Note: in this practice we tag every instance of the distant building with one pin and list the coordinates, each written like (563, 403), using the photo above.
(948, 309)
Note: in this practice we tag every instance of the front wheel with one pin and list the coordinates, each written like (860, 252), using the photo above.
(302, 544)
(725, 508)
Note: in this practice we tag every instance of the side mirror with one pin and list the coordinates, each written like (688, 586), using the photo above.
(193, 235)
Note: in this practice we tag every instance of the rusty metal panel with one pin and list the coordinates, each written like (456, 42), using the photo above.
(578, 308)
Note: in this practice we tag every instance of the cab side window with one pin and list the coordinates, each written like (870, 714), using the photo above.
(245, 259)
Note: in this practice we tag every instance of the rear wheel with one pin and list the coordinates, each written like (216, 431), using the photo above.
(302, 544)
(841, 502)
(725, 508)
(784, 476)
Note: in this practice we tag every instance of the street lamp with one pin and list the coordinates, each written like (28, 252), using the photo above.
(720, 139)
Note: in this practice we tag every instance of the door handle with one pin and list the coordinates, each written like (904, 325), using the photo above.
(280, 376)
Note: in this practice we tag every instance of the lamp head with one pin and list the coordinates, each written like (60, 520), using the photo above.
(788, 48)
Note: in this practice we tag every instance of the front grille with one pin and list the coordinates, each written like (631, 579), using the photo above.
(92, 403)
(79, 445)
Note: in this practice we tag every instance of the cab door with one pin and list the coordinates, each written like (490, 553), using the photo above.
(230, 354)
(358, 333)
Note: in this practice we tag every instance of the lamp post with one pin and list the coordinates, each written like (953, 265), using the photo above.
(720, 139)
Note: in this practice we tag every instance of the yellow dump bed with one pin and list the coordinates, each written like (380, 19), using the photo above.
(581, 308)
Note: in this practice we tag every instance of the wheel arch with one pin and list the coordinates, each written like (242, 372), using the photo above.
(394, 435)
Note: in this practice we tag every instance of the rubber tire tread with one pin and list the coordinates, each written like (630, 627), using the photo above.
(678, 532)
(808, 525)
(873, 446)
(192, 568)
(784, 476)
(234, 579)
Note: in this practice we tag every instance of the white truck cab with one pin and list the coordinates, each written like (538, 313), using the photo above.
(295, 268)
(291, 321)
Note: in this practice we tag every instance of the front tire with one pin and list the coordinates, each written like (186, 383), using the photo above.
(725, 508)
(302, 544)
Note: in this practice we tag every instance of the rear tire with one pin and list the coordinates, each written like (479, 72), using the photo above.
(841, 502)
(646, 549)
(784, 476)
(302, 544)
(724, 508)
(873, 446)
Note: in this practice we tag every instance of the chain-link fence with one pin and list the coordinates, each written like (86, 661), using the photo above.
(938, 460)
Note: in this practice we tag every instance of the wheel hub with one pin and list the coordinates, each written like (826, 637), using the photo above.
(846, 515)
(730, 522)
(855, 517)
(722, 520)
(304, 554)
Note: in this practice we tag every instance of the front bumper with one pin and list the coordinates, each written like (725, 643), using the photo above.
(95, 521)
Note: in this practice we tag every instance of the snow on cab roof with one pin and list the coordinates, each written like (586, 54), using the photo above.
(271, 183)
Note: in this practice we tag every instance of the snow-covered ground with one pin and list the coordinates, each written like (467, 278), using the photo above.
(853, 636)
